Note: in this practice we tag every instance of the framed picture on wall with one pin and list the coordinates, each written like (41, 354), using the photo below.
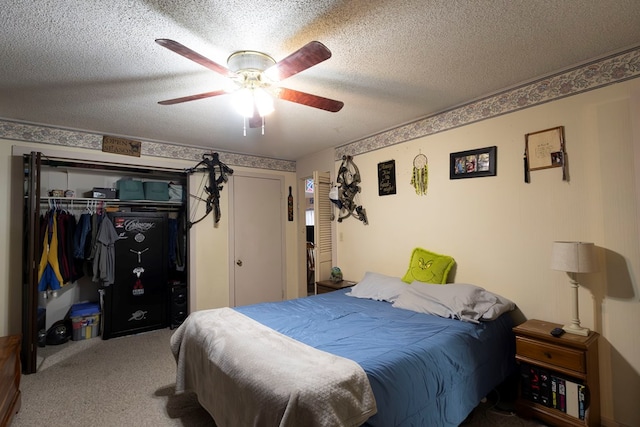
(473, 163)
(545, 149)
(387, 178)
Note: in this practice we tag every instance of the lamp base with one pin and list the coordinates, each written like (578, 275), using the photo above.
(574, 329)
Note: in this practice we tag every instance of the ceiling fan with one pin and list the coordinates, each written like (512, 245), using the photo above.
(254, 76)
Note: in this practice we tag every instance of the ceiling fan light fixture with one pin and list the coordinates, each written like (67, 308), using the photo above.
(246, 101)
(263, 102)
(252, 95)
(242, 101)
(249, 60)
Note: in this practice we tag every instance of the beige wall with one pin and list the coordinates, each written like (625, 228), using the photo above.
(500, 229)
(209, 272)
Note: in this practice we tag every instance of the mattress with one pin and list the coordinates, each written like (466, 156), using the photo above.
(423, 369)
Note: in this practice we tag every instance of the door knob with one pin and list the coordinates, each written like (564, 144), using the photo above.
(239, 263)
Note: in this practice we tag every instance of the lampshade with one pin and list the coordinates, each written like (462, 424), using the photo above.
(574, 257)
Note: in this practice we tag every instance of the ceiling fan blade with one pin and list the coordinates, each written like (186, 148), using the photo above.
(194, 56)
(192, 97)
(310, 100)
(306, 57)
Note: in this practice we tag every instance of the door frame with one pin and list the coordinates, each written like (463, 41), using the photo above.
(29, 348)
(301, 233)
(283, 239)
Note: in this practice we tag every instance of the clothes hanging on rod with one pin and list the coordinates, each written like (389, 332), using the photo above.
(57, 265)
(104, 262)
(76, 244)
(83, 230)
(49, 276)
(65, 244)
(177, 244)
(66, 230)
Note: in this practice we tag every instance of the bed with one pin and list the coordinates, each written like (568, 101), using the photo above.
(274, 363)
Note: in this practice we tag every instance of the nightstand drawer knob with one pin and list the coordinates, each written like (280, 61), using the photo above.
(548, 355)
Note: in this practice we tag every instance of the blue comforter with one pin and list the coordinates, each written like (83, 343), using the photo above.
(424, 370)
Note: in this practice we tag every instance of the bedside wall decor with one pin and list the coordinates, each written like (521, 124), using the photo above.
(348, 188)
(473, 163)
(290, 205)
(387, 178)
(545, 149)
(420, 175)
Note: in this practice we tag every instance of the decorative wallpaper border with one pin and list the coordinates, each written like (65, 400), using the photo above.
(599, 73)
(602, 72)
(70, 138)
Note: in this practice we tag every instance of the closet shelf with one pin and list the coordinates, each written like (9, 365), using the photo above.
(81, 200)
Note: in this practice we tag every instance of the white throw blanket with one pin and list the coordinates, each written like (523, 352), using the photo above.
(247, 374)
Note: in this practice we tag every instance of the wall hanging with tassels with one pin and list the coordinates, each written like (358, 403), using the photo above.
(420, 176)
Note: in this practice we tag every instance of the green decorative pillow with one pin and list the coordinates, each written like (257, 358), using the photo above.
(428, 267)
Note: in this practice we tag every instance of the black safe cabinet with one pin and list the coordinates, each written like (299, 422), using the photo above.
(137, 300)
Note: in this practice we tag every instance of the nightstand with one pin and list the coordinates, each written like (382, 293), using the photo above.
(550, 365)
(324, 286)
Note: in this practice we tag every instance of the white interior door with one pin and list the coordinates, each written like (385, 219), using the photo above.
(322, 227)
(257, 239)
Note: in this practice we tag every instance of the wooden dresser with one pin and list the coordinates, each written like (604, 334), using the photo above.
(9, 378)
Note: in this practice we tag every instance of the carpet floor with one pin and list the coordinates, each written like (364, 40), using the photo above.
(130, 381)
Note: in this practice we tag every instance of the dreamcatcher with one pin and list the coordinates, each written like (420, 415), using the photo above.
(420, 176)
(348, 180)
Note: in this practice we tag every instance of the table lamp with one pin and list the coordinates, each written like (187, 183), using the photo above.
(573, 258)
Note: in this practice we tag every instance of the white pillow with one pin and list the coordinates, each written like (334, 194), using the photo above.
(378, 287)
(504, 305)
(456, 301)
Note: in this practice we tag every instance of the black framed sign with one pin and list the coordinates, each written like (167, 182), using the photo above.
(473, 163)
(387, 178)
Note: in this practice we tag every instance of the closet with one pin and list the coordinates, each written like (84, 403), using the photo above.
(136, 279)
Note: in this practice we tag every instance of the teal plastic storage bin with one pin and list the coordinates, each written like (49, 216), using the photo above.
(155, 190)
(130, 189)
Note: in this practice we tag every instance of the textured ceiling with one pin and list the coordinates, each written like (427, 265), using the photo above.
(93, 65)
